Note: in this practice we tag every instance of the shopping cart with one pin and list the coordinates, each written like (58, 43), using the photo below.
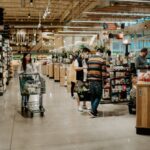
(32, 84)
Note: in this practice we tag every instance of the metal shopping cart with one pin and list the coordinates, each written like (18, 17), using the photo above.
(32, 84)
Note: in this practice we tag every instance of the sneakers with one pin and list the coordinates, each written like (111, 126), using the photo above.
(92, 115)
(84, 107)
(73, 97)
(80, 109)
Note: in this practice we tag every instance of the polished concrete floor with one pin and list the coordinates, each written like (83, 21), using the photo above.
(63, 127)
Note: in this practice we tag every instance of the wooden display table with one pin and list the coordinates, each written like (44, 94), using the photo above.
(143, 109)
(44, 69)
(57, 72)
(47, 70)
(62, 74)
(51, 70)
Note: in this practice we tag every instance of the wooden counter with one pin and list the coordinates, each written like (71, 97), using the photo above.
(51, 70)
(57, 72)
(143, 109)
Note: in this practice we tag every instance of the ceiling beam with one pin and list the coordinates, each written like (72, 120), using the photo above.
(69, 10)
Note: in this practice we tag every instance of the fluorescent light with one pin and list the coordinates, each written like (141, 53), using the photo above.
(57, 26)
(118, 14)
(78, 31)
(29, 16)
(82, 27)
(31, 2)
(136, 1)
(78, 35)
(125, 41)
(91, 21)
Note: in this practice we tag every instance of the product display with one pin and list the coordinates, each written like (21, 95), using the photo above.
(5, 63)
(120, 82)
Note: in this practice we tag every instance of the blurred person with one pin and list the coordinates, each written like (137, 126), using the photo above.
(141, 61)
(109, 58)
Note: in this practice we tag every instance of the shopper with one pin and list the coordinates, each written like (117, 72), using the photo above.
(28, 68)
(81, 73)
(96, 65)
(27, 65)
(109, 58)
(72, 76)
(141, 61)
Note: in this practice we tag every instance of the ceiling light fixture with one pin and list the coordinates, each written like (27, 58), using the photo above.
(29, 15)
(47, 11)
(58, 26)
(78, 35)
(91, 21)
(135, 1)
(82, 27)
(31, 2)
(87, 32)
(118, 14)
(39, 25)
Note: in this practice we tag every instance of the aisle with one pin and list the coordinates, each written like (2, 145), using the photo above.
(63, 127)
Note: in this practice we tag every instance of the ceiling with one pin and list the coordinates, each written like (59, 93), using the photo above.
(23, 12)
(29, 13)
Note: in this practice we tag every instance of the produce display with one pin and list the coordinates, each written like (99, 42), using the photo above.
(144, 77)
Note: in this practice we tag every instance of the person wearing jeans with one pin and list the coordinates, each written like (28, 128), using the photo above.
(96, 94)
(96, 68)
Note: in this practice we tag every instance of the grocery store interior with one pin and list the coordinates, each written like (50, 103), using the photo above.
(74, 74)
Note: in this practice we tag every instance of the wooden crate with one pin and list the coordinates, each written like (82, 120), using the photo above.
(43, 69)
(143, 109)
(62, 71)
(47, 70)
(57, 72)
(51, 70)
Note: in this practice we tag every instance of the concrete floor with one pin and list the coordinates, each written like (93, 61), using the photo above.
(63, 127)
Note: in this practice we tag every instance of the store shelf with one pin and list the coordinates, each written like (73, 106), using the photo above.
(121, 84)
(120, 77)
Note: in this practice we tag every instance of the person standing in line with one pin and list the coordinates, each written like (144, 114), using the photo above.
(109, 58)
(72, 76)
(81, 67)
(96, 66)
(141, 61)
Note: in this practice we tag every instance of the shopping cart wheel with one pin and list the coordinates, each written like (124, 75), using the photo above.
(31, 115)
(42, 114)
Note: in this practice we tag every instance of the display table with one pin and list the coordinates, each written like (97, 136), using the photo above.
(47, 70)
(62, 74)
(143, 109)
(44, 69)
(51, 70)
(57, 72)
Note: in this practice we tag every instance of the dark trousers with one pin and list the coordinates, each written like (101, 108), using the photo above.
(72, 88)
(96, 95)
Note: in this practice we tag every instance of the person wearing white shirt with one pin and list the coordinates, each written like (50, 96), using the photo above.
(81, 73)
